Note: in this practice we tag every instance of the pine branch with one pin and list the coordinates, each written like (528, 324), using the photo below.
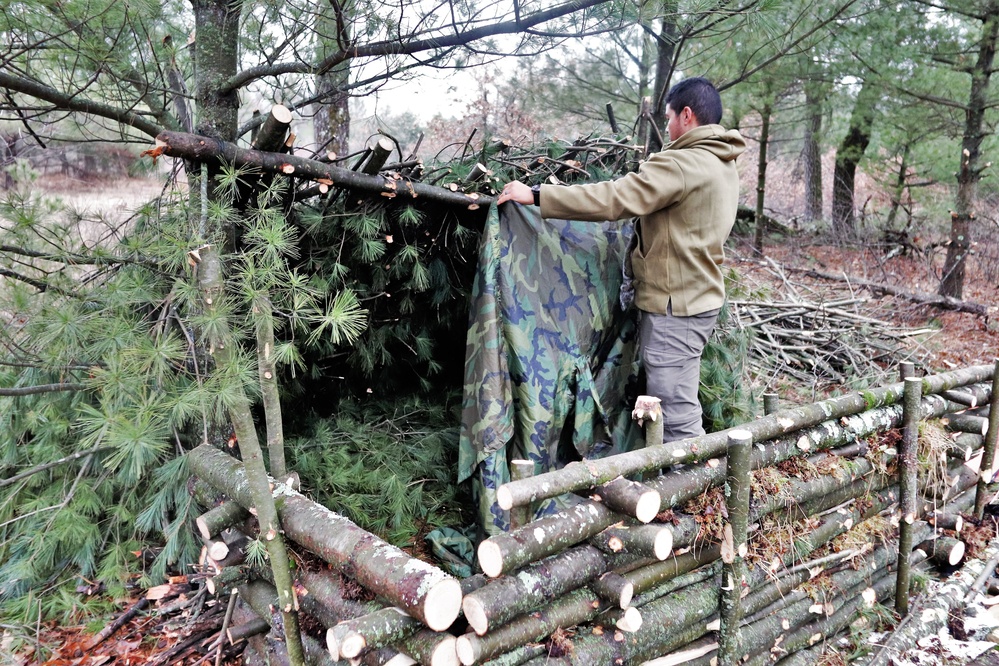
(73, 259)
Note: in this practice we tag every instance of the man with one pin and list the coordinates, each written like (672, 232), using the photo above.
(686, 198)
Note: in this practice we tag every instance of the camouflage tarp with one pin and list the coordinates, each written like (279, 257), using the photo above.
(550, 354)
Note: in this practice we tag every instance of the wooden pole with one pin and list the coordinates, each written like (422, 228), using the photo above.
(907, 489)
(989, 449)
(521, 515)
(734, 547)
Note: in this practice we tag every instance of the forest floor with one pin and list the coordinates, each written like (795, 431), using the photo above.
(960, 340)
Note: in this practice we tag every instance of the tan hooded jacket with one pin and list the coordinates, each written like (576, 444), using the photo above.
(686, 197)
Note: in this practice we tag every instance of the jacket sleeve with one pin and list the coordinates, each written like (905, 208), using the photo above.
(657, 184)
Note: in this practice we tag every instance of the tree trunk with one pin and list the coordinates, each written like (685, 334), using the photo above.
(850, 152)
(331, 119)
(900, 183)
(666, 45)
(811, 154)
(761, 176)
(969, 172)
(422, 590)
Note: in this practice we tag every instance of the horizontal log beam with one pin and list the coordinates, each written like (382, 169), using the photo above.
(205, 149)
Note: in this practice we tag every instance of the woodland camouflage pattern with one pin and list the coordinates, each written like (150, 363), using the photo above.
(550, 355)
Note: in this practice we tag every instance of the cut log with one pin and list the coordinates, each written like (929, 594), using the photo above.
(575, 608)
(614, 589)
(422, 590)
(228, 579)
(518, 656)
(964, 445)
(654, 540)
(946, 521)
(378, 156)
(969, 423)
(629, 497)
(375, 629)
(271, 135)
(241, 632)
(223, 516)
(587, 474)
(944, 551)
(505, 598)
(205, 149)
(506, 552)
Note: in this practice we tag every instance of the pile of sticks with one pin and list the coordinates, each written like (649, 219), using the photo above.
(662, 571)
(825, 342)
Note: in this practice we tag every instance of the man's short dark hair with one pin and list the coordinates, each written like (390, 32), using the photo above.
(700, 95)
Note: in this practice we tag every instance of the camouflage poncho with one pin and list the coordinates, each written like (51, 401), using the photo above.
(550, 353)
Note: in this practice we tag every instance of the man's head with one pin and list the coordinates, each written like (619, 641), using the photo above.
(691, 103)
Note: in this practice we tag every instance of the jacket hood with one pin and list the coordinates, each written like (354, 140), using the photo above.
(725, 144)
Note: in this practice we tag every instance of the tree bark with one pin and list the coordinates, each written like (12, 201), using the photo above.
(811, 153)
(422, 590)
(350, 637)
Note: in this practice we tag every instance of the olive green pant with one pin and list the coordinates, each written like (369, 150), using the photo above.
(671, 349)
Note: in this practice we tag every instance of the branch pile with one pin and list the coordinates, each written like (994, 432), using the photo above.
(829, 342)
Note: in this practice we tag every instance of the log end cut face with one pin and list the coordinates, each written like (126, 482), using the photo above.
(442, 604)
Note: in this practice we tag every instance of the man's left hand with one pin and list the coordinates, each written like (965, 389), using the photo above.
(516, 191)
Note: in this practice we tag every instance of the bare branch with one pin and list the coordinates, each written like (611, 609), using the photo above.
(41, 388)
(401, 47)
(55, 463)
(77, 103)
